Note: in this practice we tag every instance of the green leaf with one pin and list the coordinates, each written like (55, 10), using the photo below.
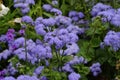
(72, 2)
(14, 60)
(95, 42)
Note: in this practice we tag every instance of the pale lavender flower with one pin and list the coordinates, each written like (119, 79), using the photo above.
(22, 32)
(55, 2)
(98, 8)
(27, 77)
(74, 76)
(108, 15)
(25, 10)
(72, 49)
(5, 54)
(49, 22)
(75, 29)
(21, 5)
(63, 20)
(27, 19)
(112, 39)
(67, 68)
(95, 68)
(38, 70)
(56, 11)
(38, 21)
(72, 37)
(116, 20)
(3, 38)
(47, 7)
(9, 78)
(49, 38)
(72, 13)
(80, 15)
(58, 43)
(30, 2)
(75, 18)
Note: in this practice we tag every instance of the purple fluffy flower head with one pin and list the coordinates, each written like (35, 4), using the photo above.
(47, 7)
(112, 39)
(95, 69)
(80, 15)
(74, 76)
(67, 68)
(27, 19)
(116, 20)
(39, 70)
(22, 32)
(9, 78)
(56, 11)
(72, 14)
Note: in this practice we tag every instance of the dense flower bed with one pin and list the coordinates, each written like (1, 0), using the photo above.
(59, 40)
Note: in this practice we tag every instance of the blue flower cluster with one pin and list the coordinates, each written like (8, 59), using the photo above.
(112, 39)
(107, 13)
(22, 77)
(49, 8)
(95, 68)
(68, 67)
(23, 5)
(59, 36)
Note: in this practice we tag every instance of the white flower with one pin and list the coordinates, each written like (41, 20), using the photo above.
(17, 20)
(4, 10)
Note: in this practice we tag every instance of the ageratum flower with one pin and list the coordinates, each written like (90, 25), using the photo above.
(3, 38)
(75, 18)
(27, 77)
(80, 15)
(75, 29)
(49, 22)
(112, 39)
(56, 11)
(38, 21)
(40, 29)
(21, 32)
(99, 7)
(47, 7)
(74, 76)
(27, 19)
(72, 48)
(23, 5)
(59, 43)
(25, 10)
(72, 37)
(9, 78)
(55, 2)
(67, 68)
(49, 38)
(77, 60)
(30, 2)
(18, 42)
(72, 14)
(62, 20)
(38, 70)
(108, 15)
(95, 69)
(5, 54)
(116, 20)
